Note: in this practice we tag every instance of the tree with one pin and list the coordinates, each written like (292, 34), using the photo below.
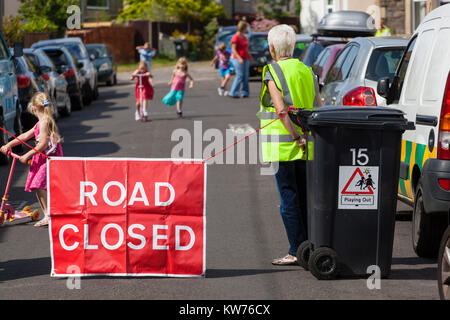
(273, 9)
(178, 10)
(44, 15)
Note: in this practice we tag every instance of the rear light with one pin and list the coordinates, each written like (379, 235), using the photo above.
(443, 151)
(445, 184)
(23, 81)
(69, 73)
(46, 77)
(361, 96)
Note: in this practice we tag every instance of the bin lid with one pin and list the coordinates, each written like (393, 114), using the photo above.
(347, 23)
(365, 117)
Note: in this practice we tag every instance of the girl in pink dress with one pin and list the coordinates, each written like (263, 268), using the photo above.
(147, 91)
(48, 142)
(178, 86)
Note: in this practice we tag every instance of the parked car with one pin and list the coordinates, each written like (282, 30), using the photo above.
(29, 83)
(258, 47)
(67, 65)
(352, 79)
(325, 60)
(301, 42)
(78, 49)
(10, 109)
(104, 62)
(57, 83)
(315, 48)
(421, 88)
(347, 23)
(444, 266)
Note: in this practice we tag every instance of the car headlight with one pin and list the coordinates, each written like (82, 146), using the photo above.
(263, 60)
(2, 90)
(104, 67)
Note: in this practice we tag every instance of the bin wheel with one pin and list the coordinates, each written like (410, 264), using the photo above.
(303, 254)
(323, 263)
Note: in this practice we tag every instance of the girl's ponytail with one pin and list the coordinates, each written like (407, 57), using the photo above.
(42, 102)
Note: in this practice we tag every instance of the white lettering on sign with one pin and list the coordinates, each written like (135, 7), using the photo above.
(157, 233)
(88, 192)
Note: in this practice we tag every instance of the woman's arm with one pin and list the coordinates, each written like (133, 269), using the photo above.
(213, 60)
(233, 48)
(278, 103)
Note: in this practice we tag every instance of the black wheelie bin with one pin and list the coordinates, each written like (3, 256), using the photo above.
(352, 182)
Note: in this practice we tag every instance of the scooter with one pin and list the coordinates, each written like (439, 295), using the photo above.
(7, 212)
(141, 98)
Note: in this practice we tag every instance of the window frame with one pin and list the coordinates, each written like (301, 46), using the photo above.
(107, 7)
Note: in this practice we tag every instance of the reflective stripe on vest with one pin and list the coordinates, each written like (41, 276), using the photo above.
(296, 84)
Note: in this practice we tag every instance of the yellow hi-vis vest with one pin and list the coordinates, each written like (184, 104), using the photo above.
(296, 83)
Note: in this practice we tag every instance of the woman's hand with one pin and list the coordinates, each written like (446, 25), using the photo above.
(301, 143)
(5, 149)
(241, 61)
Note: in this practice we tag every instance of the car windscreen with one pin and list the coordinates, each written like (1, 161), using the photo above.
(98, 52)
(77, 50)
(45, 61)
(20, 65)
(258, 43)
(383, 63)
(58, 57)
(224, 35)
(311, 53)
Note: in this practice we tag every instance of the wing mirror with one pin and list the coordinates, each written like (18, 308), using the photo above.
(18, 49)
(383, 87)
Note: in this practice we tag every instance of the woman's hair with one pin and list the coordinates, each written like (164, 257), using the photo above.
(221, 46)
(143, 64)
(42, 103)
(282, 37)
(184, 62)
(242, 26)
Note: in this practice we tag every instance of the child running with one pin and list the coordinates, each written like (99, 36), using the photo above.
(178, 83)
(147, 90)
(223, 57)
(48, 142)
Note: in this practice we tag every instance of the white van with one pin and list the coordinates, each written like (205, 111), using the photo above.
(421, 88)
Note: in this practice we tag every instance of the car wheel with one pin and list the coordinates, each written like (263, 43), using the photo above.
(444, 266)
(67, 111)
(3, 140)
(87, 95)
(115, 79)
(427, 228)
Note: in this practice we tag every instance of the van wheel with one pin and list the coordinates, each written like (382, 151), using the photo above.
(444, 266)
(427, 229)
(4, 160)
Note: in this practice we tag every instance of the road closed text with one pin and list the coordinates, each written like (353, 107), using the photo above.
(127, 217)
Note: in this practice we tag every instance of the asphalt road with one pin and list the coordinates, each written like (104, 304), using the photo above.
(244, 228)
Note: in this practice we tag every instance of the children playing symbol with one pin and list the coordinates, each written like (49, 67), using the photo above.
(369, 183)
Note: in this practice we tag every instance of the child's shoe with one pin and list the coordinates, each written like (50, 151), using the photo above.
(145, 113)
(220, 91)
(137, 117)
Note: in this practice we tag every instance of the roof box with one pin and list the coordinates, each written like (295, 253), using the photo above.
(347, 24)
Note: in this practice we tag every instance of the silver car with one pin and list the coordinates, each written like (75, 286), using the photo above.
(58, 84)
(353, 77)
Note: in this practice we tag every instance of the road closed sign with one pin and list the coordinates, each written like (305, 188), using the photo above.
(127, 217)
(358, 187)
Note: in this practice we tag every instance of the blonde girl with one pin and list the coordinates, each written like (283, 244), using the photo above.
(147, 89)
(178, 86)
(48, 142)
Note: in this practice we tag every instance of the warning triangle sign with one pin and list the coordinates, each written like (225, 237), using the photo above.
(357, 185)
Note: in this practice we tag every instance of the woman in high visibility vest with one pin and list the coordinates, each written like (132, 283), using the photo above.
(287, 82)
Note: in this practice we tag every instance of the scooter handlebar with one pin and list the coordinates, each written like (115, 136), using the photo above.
(11, 154)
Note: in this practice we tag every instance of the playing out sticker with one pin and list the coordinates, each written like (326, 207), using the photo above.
(358, 187)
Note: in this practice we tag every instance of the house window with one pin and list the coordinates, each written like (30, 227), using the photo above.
(419, 8)
(330, 6)
(98, 4)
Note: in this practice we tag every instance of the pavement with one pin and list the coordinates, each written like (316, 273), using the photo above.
(244, 228)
